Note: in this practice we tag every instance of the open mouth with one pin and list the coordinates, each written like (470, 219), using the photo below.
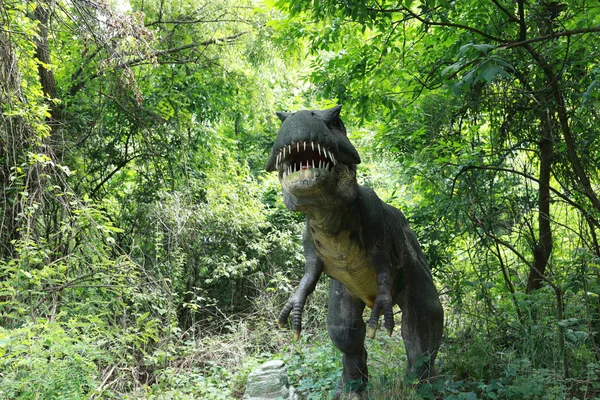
(300, 156)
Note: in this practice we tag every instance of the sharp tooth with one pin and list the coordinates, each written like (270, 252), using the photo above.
(320, 163)
(319, 147)
(304, 146)
(283, 151)
(289, 148)
(298, 147)
(312, 144)
(313, 163)
(327, 166)
(333, 159)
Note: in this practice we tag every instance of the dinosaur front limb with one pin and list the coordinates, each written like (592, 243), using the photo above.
(312, 272)
(296, 303)
(383, 301)
(383, 305)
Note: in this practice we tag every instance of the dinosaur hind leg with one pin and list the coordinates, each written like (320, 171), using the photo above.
(347, 330)
(422, 326)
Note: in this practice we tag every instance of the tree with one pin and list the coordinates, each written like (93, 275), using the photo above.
(150, 107)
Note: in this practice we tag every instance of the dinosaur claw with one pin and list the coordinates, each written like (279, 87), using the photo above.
(372, 332)
(389, 332)
(281, 325)
(296, 335)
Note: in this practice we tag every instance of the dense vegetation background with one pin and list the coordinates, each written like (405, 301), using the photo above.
(144, 253)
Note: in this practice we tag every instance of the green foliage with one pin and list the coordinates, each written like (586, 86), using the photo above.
(191, 384)
(315, 371)
(145, 254)
(42, 360)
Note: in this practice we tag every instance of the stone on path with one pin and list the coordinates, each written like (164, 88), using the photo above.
(269, 382)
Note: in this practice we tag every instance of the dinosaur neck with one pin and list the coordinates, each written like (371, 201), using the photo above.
(331, 220)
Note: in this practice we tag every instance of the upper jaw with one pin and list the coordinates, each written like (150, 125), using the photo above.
(309, 129)
(304, 155)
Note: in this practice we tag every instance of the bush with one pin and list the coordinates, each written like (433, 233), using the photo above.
(44, 360)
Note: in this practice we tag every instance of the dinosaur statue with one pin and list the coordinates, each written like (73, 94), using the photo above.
(363, 244)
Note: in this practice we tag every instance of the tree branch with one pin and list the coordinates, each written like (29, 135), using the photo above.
(550, 36)
(563, 119)
(182, 48)
(195, 21)
(522, 26)
(510, 15)
(527, 176)
(512, 248)
(78, 85)
(442, 24)
(117, 168)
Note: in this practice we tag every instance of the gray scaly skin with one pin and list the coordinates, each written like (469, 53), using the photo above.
(363, 244)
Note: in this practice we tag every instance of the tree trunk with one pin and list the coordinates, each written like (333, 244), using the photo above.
(14, 135)
(543, 248)
(42, 51)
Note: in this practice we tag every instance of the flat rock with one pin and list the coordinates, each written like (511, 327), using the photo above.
(268, 382)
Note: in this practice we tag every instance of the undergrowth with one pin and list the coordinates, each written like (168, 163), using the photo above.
(78, 364)
(120, 339)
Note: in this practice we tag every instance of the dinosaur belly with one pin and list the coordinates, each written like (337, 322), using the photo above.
(345, 261)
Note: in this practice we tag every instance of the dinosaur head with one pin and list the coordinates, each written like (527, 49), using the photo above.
(315, 160)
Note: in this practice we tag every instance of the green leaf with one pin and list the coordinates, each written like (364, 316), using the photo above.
(490, 72)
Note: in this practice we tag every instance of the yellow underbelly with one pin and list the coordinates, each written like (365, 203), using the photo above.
(345, 261)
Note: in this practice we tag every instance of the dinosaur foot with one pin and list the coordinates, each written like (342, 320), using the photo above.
(354, 390)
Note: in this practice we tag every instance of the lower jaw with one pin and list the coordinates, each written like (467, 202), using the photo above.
(304, 186)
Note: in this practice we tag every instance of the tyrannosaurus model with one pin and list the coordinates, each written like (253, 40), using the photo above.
(363, 244)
